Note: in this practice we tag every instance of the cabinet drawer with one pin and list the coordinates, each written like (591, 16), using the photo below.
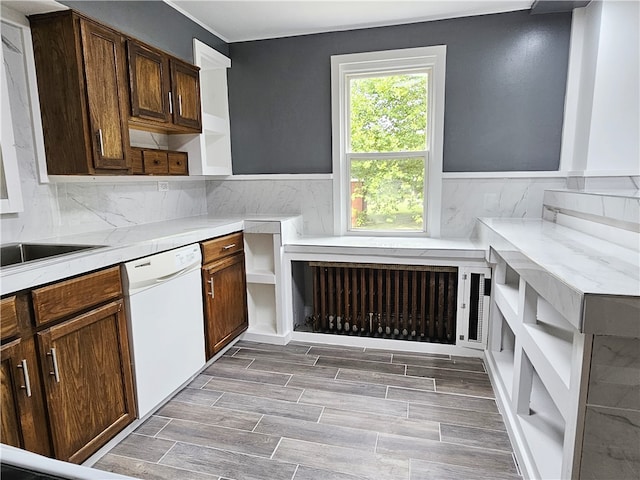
(8, 318)
(155, 162)
(221, 247)
(59, 300)
(178, 162)
(137, 166)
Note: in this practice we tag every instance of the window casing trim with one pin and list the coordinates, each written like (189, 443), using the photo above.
(344, 66)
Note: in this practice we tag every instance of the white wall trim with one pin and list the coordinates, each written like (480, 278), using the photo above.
(603, 173)
(503, 175)
(278, 176)
(573, 90)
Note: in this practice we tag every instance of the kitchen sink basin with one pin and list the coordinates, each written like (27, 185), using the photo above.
(18, 253)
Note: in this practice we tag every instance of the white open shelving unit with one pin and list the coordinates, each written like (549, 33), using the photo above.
(538, 359)
(263, 259)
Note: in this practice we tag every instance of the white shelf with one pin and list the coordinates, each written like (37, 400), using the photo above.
(504, 362)
(544, 430)
(506, 298)
(549, 315)
(214, 124)
(259, 252)
(261, 277)
(261, 306)
(553, 345)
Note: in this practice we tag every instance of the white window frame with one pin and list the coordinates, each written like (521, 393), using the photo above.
(431, 59)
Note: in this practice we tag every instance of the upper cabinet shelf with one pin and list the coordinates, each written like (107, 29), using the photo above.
(95, 83)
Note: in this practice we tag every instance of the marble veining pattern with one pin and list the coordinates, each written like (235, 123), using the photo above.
(621, 206)
(588, 264)
(614, 380)
(310, 198)
(463, 200)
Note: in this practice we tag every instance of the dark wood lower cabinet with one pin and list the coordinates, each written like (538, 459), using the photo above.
(24, 423)
(67, 384)
(225, 293)
(88, 381)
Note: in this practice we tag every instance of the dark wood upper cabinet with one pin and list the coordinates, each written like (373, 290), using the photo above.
(94, 83)
(149, 83)
(80, 69)
(185, 88)
(164, 91)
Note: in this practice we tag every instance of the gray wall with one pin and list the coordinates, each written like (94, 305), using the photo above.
(505, 88)
(151, 21)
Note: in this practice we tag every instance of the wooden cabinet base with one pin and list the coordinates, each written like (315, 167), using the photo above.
(89, 389)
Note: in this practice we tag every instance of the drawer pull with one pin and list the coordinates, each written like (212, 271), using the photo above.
(25, 375)
(211, 293)
(228, 247)
(54, 362)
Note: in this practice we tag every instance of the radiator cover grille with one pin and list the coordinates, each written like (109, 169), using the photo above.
(407, 302)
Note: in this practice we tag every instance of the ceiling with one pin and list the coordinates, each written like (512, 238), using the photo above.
(241, 20)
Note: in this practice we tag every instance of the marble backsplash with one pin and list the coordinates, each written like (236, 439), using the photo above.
(463, 200)
(56, 208)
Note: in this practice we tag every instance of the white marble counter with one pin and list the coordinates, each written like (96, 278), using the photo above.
(127, 243)
(421, 247)
(570, 268)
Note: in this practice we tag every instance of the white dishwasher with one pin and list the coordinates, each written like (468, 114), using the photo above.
(166, 324)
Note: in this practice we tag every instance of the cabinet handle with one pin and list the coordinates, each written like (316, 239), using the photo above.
(54, 362)
(228, 247)
(25, 375)
(180, 105)
(100, 143)
(170, 103)
(210, 282)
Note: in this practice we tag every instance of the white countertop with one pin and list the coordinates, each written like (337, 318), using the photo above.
(567, 266)
(424, 247)
(122, 245)
(586, 263)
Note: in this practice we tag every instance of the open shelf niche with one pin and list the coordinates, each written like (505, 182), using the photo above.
(263, 254)
(534, 356)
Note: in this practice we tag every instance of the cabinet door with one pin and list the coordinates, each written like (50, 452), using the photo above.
(24, 422)
(225, 293)
(149, 85)
(88, 381)
(185, 85)
(103, 56)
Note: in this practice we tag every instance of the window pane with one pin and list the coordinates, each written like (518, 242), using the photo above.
(388, 113)
(387, 194)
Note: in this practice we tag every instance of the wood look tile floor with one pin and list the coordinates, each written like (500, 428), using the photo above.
(308, 412)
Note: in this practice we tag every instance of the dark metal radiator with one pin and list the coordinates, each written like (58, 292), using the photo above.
(386, 301)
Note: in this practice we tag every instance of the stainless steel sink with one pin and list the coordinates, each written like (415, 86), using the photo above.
(18, 253)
